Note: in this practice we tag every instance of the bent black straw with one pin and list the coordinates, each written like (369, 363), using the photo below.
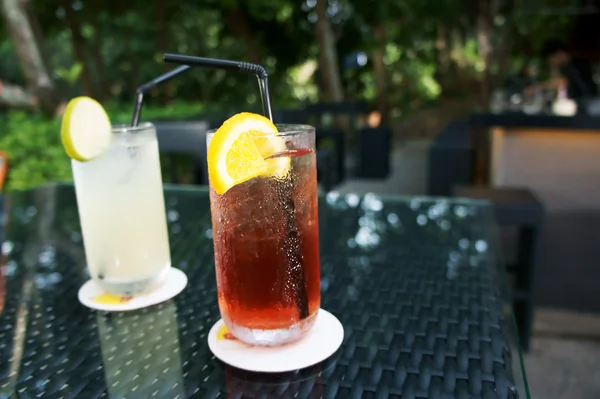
(259, 71)
(139, 93)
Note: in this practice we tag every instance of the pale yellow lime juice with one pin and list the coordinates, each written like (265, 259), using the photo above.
(120, 202)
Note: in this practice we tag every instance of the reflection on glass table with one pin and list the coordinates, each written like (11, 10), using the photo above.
(140, 352)
(418, 284)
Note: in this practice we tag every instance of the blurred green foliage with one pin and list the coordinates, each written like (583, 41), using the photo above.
(430, 50)
(124, 43)
(36, 154)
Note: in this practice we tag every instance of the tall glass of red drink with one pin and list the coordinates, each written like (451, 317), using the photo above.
(266, 243)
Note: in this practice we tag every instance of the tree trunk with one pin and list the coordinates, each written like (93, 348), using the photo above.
(29, 54)
(379, 71)
(96, 45)
(329, 64)
(502, 55)
(442, 50)
(484, 27)
(78, 43)
(16, 96)
(103, 90)
(129, 77)
(37, 33)
(504, 39)
(240, 25)
(163, 45)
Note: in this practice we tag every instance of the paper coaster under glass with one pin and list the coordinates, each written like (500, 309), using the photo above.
(94, 297)
(320, 342)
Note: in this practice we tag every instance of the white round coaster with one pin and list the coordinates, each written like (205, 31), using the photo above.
(321, 341)
(94, 297)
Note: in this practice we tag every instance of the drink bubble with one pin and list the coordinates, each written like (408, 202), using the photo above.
(132, 150)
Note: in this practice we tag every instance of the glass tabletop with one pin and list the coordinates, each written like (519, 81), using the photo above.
(417, 283)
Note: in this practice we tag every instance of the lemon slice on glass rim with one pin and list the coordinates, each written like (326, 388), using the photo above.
(85, 130)
(240, 150)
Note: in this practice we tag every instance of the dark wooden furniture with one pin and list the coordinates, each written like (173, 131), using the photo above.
(184, 138)
(451, 159)
(374, 152)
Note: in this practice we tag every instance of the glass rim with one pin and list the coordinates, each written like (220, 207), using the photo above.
(126, 128)
(285, 129)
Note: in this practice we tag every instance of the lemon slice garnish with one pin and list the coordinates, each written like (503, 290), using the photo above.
(240, 150)
(86, 130)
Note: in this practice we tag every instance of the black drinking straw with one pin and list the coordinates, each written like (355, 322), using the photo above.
(139, 93)
(258, 70)
(293, 240)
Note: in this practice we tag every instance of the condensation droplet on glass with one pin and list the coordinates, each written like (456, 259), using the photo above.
(444, 206)
(421, 220)
(371, 202)
(352, 199)
(31, 211)
(445, 225)
(415, 204)
(76, 236)
(438, 210)
(393, 219)
(351, 243)
(460, 211)
(452, 271)
(172, 215)
(352, 291)
(366, 237)
(481, 245)
(332, 197)
(10, 268)
(432, 213)
(454, 256)
(463, 243)
(46, 256)
(132, 150)
(451, 274)
(43, 281)
(7, 247)
(362, 236)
